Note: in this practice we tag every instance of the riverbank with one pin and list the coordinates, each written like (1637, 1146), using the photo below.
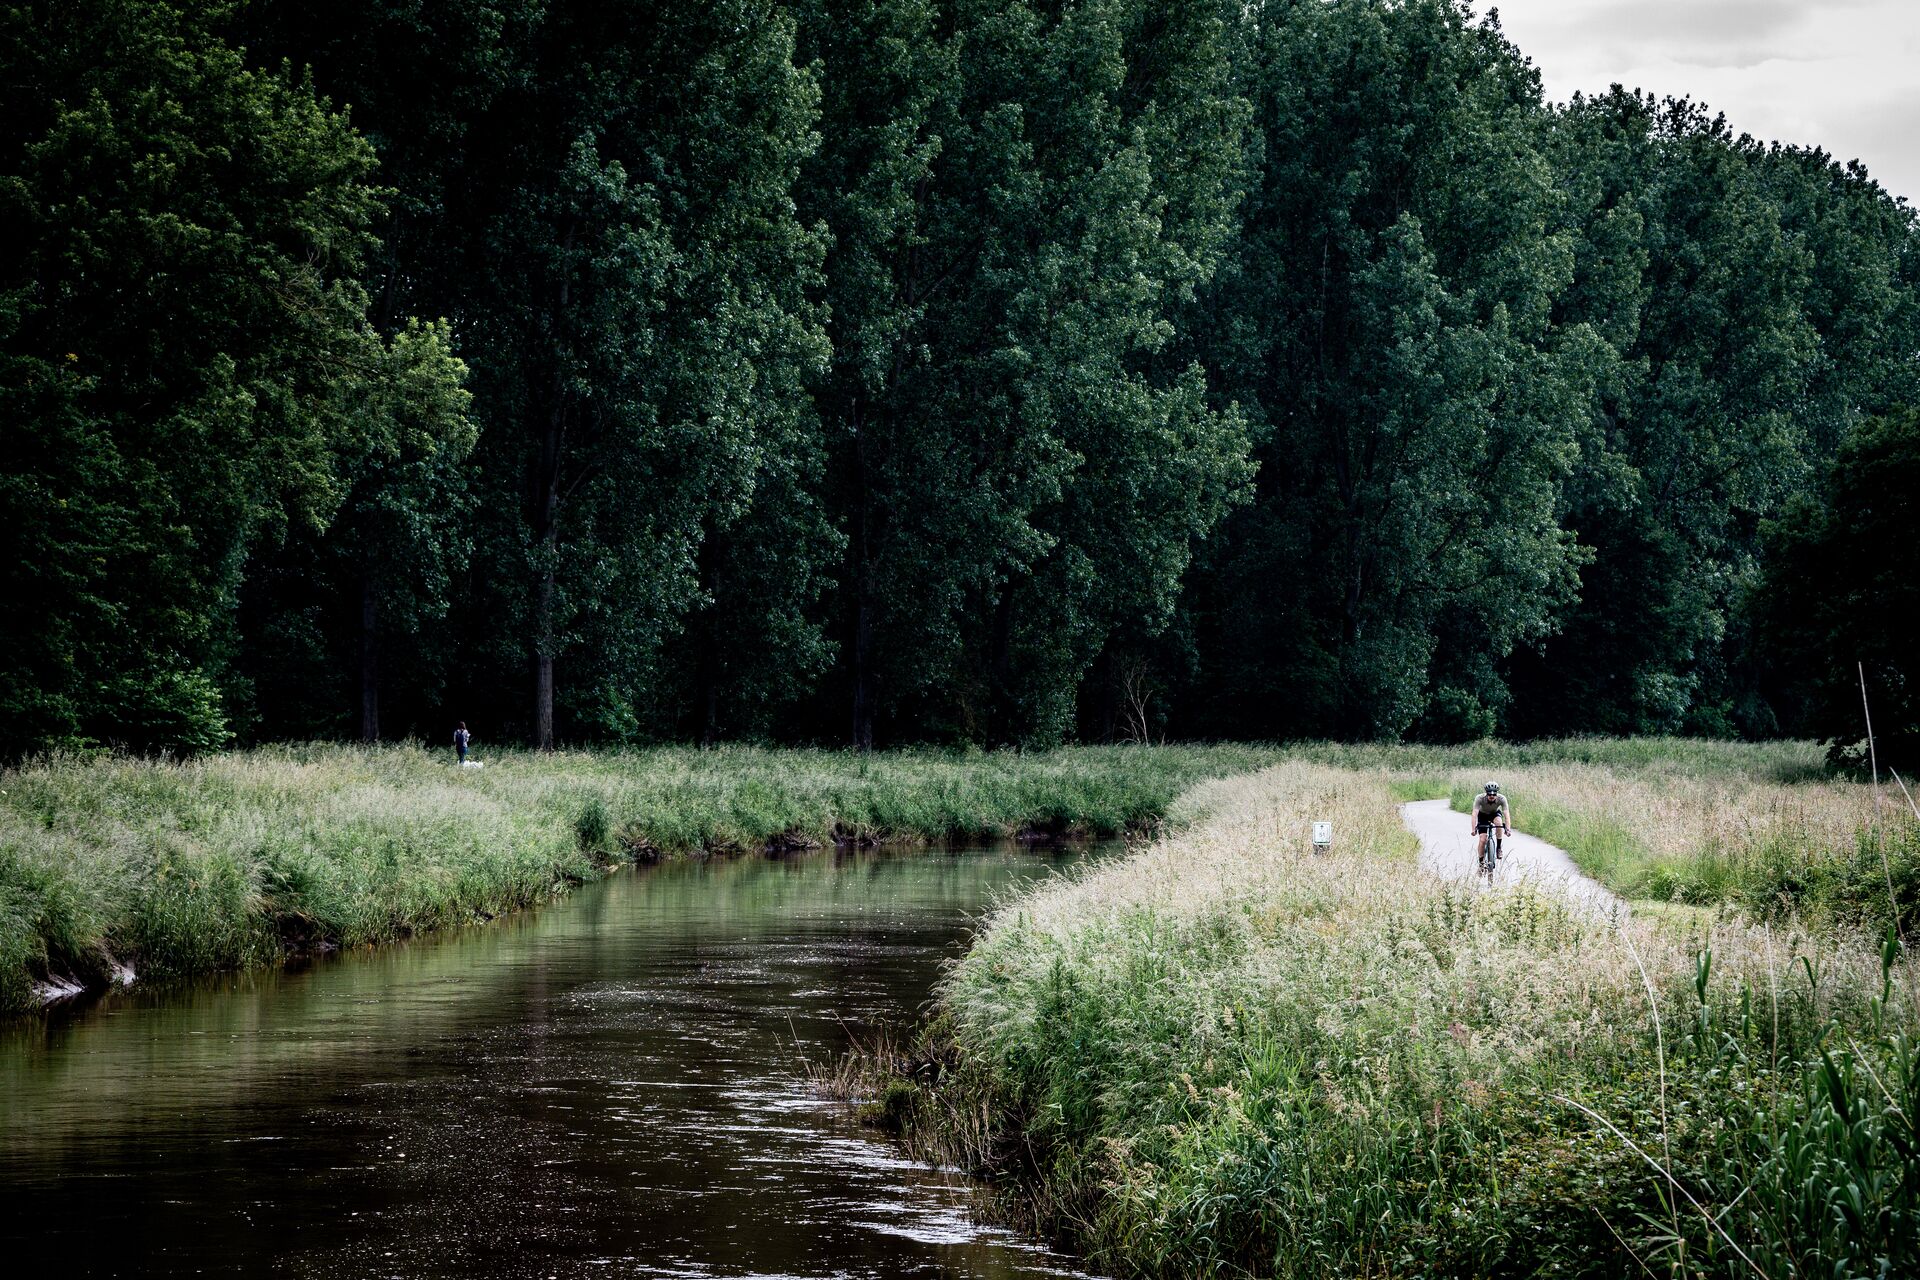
(1225, 1055)
(114, 867)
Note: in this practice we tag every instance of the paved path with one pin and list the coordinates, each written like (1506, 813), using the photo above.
(1446, 849)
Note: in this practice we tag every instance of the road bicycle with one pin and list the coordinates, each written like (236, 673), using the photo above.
(1490, 853)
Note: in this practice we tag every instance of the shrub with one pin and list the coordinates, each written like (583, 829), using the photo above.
(1454, 716)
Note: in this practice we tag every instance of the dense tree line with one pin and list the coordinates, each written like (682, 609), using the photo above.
(894, 370)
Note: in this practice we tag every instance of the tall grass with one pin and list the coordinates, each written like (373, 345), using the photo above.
(1784, 761)
(235, 859)
(1226, 1055)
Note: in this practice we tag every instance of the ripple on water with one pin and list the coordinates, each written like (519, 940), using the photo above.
(610, 1087)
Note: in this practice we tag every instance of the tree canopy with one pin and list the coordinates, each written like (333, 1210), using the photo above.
(190, 373)
(921, 370)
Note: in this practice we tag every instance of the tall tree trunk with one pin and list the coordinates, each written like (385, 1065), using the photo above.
(543, 624)
(863, 680)
(369, 661)
(543, 646)
(1001, 702)
(546, 501)
(1106, 680)
(863, 690)
(709, 681)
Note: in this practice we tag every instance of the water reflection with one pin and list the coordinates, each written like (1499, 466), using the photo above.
(606, 1088)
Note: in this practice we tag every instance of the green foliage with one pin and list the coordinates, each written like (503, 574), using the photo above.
(944, 370)
(179, 710)
(324, 606)
(1838, 1175)
(645, 316)
(181, 294)
(1020, 194)
(1711, 265)
(1389, 318)
(593, 826)
(1454, 715)
(1838, 602)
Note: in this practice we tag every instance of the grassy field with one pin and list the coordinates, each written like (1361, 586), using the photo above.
(1784, 761)
(1225, 1056)
(237, 859)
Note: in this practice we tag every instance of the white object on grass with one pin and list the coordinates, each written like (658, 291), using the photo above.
(471, 764)
(1322, 836)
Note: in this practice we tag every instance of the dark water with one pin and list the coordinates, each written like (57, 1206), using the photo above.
(609, 1087)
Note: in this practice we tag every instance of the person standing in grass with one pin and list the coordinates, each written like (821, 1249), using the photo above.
(460, 740)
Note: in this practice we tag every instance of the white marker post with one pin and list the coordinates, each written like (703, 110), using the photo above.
(1322, 837)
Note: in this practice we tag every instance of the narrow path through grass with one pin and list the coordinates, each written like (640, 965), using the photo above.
(1448, 849)
(1821, 850)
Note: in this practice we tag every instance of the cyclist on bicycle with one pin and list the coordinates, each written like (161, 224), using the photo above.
(1490, 809)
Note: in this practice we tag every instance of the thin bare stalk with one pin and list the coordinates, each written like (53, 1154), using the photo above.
(1622, 1240)
(1879, 827)
(1660, 1050)
(1873, 758)
(1866, 1063)
(1903, 791)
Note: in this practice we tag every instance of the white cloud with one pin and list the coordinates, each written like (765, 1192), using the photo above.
(1837, 74)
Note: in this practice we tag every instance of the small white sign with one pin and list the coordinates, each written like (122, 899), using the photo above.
(1322, 834)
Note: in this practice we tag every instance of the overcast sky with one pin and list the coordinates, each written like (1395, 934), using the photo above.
(1839, 74)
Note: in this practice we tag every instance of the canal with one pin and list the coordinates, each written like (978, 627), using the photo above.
(611, 1086)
